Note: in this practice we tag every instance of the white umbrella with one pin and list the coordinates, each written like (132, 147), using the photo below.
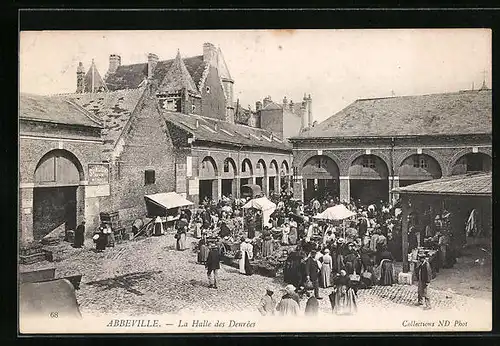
(263, 204)
(338, 212)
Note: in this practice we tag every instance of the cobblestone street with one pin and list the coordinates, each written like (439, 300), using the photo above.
(149, 276)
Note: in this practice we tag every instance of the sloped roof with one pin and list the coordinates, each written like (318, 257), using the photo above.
(219, 131)
(465, 112)
(114, 108)
(93, 80)
(131, 76)
(222, 67)
(177, 78)
(54, 110)
(272, 106)
(242, 114)
(471, 184)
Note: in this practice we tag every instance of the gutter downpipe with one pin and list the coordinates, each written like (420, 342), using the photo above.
(238, 171)
(392, 168)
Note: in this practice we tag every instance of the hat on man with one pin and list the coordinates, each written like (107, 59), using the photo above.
(290, 288)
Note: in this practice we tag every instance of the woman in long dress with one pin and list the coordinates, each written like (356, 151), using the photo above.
(100, 240)
(246, 255)
(203, 251)
(343, 297)
(181, 238)
(267, 244)
(286, 233)
(292, 237)
(386, 268)
(326, 269)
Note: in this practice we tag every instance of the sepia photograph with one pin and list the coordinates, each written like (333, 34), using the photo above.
(246, 181)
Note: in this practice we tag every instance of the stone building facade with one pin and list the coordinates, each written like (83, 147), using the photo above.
(375, 145)
(160, 126)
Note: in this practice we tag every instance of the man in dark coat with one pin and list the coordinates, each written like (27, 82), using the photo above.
(312, 272)
(213, 265)
(312, 305)
(424, 275)
(79, 235)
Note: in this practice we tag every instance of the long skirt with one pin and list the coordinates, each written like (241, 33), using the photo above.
(197, 230)
(245, 267)
(267, 248)
(181, 242)
(78, 239)
(203, 254)
(100, 243)
(325, 278)
(386, 274)
(343, 301)
(292, 237)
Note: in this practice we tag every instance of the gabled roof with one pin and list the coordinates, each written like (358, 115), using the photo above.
(114, 108)
(219, 131)
(55, 110)
(177, 78)
(222, 67)
(471, 184)
(131, 76)
(93, 81)
(272, 106)
(465, 112)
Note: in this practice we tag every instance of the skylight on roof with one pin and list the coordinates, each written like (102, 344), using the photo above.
(209, 128)
(227, 132)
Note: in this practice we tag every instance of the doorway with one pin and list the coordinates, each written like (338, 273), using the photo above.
(369, 191)
(206, 189)
(227, 187)
(52, 207)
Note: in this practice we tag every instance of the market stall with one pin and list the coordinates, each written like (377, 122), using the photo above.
(264, 205)
(457, 197)
(164, 211)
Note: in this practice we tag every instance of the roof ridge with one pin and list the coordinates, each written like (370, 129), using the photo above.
(420, 95)
(85, 112)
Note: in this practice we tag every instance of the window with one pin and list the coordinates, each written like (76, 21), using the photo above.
(258, 165)
(243, 166)
(208, 90)
(193, 108)
(149, 177)
(419, 162)
(368, 162)
(203, 164)
(226, 166)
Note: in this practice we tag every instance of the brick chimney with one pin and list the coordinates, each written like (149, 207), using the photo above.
(258, 106)
(152, 61)
(114, 62)
(209, 54)
(267, 101)
(285, 102)
(80, 77)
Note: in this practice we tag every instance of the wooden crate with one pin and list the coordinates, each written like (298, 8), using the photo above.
(37, 275)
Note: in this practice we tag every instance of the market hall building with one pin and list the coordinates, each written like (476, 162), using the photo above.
(375, 145)
(159, 126)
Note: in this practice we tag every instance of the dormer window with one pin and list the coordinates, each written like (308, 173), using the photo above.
(208, 90)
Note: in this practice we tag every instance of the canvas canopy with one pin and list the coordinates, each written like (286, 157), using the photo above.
(266, 206)
(160, 203)
(338, 212)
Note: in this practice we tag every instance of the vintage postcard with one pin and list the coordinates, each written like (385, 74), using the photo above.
(255, 181)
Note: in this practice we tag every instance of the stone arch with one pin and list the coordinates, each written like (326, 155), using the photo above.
(302, 160)
(285, 167)
(229, 167)
(355, 155)
(459, 165)
(246, 167)
(58, 166)
(208, 168)
(43, 165)
(261, 168)
(400, 157)
(382, 168)
(320, 167)
(419, 167)
(273, 168)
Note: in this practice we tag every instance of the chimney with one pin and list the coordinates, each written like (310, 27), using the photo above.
(114, 62)
(291, 105)
(267, 101)
(258, 106)
(152, 61)
(285, 102)
(80, 77)
(309, 110)
(210, 54)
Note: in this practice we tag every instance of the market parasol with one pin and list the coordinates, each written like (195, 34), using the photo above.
(338, 212)
(263, 204)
